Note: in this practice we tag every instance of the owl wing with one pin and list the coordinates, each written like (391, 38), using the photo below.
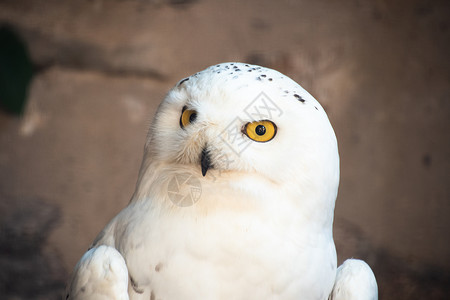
(100, 274)
(354, 280)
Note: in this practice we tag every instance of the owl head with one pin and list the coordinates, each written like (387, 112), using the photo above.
(234, 120)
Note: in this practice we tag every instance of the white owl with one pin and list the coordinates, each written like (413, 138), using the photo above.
(235, 200)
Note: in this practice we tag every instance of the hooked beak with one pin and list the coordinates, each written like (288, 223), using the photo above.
(205, 161)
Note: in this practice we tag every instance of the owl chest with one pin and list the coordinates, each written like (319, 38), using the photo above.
(223, 256)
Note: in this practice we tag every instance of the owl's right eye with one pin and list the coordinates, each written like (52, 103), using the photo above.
(188, 116)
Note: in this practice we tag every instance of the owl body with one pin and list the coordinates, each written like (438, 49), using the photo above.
(231, 250)
(235, 196)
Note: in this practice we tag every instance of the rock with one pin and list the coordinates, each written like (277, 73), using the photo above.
(28, 269)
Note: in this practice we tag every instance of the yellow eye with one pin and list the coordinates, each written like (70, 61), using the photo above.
(188, 116)
(260, 131)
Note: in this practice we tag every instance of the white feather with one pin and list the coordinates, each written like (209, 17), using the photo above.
(101, 274)
(355, 281)
(262, 226)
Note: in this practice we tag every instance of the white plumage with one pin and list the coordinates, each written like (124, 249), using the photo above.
(354, 280)
(235, 197)
(101, 275)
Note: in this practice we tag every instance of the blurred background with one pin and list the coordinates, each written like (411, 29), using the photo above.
(80, 82)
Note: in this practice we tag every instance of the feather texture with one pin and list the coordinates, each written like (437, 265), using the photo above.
(219, 215)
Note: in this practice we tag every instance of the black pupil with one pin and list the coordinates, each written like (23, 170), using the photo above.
(260, 130)
(192, 117)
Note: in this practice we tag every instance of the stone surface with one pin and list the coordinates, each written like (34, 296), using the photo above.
(30, 269)
(380, 69)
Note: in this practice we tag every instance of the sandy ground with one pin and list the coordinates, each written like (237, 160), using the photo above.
(380, 69)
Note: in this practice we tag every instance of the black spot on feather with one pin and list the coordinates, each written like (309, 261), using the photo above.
(183, 81)
(299, 98)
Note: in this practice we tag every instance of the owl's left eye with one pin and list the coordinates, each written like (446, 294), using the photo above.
(188, 116)
(260, 131)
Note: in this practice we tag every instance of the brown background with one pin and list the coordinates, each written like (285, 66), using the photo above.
(380, 68)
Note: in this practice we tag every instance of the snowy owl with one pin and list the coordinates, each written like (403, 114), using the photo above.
(234, 200)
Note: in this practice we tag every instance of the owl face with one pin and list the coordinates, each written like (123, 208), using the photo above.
(241, 118)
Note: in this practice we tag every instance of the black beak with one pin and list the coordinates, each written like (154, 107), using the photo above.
(205, 161)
